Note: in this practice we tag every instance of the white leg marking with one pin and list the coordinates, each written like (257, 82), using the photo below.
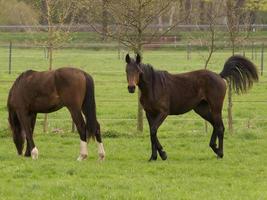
(101, 151)
(83, 151)
(34, 153)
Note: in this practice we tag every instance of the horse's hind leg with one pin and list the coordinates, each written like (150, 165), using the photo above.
(33, 120)
(81, 127)
(100, 146)
(26, 124)
(203, 109)
(219, 131)
(18, 136)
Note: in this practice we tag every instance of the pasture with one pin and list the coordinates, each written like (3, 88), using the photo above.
(191, 171)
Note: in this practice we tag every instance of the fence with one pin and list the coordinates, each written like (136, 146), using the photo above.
(15, 56)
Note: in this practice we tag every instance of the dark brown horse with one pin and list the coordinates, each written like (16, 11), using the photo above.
(44, 92)
(164, 94)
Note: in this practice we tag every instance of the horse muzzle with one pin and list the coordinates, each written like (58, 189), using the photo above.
(131, 89)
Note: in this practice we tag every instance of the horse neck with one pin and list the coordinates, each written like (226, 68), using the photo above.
(146, 82)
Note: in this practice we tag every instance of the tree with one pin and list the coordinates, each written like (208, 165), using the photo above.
(17, 13)
(59, 15)
(239, 26)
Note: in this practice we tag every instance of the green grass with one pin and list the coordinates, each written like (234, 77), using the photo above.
(191, 171)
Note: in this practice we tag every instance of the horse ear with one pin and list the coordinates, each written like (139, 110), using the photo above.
(138, 59)
(127, 58)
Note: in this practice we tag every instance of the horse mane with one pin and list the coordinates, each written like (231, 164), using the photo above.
(21, 76)
(17, 81)
(152, 78)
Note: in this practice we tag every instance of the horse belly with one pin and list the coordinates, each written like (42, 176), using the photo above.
(46, 104)
(182, 107)
(180, 110)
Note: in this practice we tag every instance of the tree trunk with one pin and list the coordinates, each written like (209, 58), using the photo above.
(139, 51)
(43, 17)
(188, 5)
(160, 25)
(140, 115)
(229, 109)
(171, 15)
(202, 12)
(104, 20)
(50, 50)
(230, 102)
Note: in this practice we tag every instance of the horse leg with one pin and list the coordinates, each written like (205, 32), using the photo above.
(80, 124)
(219, 131)
(154, 123)
(212, 113)
(100, 146)
(33, 120)
(26, 123)
(203, 109)
(101, 150)
(18, 137)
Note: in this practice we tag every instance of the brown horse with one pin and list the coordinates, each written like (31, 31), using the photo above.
(164, 94)
(44, 92)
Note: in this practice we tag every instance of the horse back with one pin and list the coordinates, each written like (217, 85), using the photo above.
(187, 90)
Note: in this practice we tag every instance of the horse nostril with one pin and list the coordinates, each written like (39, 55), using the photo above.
(131, 89)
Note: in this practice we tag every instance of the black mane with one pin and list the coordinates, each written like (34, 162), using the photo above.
(152, 78)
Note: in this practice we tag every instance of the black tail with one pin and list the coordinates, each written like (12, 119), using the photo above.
(240, 72)
(15, 126)
(89, 107)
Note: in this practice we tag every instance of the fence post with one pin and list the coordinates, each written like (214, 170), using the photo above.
(175, 42)
(255, 51)
(188, 51)
(139, 114)
(10, 57)
(45, 53)
(262, 56)
(45, 123)
(229, 109)
(252, 50)
(244, 50)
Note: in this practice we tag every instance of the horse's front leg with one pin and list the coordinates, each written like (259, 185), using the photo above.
(154, 123)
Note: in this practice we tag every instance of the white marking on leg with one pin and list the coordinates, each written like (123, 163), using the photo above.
(83, 151)
(34, 153)
(101, 151)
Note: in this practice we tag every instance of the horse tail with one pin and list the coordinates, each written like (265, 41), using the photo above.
(15, 126)
(89, 107)
(240, 72)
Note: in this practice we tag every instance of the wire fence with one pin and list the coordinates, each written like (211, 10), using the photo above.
(10, 54)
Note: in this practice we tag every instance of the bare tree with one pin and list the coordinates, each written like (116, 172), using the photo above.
(206, 19)
(239, 27)
(59, 15)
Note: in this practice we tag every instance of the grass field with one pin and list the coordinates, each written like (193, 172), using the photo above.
(191, 171)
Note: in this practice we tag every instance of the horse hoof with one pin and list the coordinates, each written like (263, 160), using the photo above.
(152, 158)
(163, 155)
(101, 152)
(219, 156)
(34, 153)
(82, 157)
(101, 157)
